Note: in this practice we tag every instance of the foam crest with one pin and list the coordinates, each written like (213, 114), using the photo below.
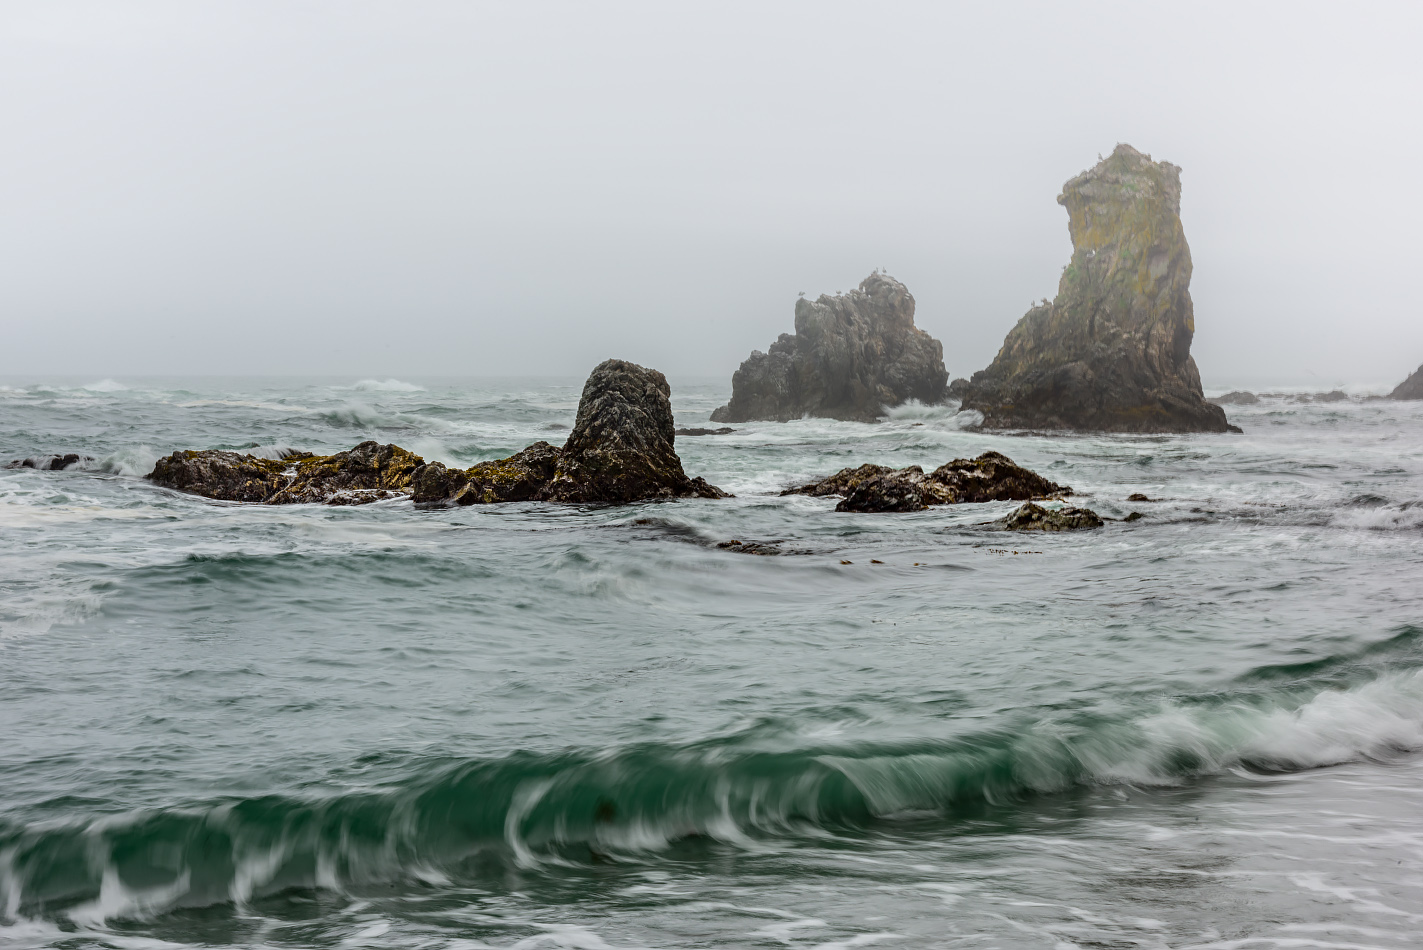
(106, 386)
(385, 386)
(565, 810)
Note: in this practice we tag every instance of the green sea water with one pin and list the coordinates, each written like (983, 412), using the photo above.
(550, 726)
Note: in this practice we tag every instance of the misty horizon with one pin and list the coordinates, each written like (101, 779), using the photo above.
(495, 192)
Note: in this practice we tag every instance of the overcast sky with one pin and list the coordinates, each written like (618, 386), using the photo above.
(448, 188)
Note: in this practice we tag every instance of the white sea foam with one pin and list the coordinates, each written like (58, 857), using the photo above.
(134, 461)
(106, 386)
(385, 386)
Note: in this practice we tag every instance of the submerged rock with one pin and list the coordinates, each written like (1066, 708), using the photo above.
(369, 472)
(1237, 398)
(724, 430)
(1410, 388)
(51, 463)
(1033, 517)
(990, 477)
(620, 450)
(851, 356)
(1112, 352)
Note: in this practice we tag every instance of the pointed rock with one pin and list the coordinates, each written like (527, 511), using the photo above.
(1112, 352)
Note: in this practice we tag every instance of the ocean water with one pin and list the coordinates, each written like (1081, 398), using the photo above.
(540, 726)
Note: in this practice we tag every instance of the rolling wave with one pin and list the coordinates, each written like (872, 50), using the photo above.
(447, 820)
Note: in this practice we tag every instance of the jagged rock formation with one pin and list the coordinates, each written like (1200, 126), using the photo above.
(369, 472)
(51, 463)
(1033, 517)
(1410, 388)
(620, 450)
(990, 477)
(1113, 351)
(851, 356)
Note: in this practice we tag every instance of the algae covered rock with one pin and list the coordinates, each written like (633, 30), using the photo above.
(991, 476)
(620, 450)
(851, 356)
(1112, 352)
(1033, 517)
(1410, 388)
(369, 472)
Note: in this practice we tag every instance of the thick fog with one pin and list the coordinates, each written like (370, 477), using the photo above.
(458, 188)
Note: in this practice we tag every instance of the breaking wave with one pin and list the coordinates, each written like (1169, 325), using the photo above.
(386, 386)
(448, 820)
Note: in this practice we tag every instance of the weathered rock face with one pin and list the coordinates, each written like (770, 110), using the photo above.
(850, 357)
(620, 450)
(1033, 517)
(1113, 351)
(1410, 388)
(990, 477)
(369, 472)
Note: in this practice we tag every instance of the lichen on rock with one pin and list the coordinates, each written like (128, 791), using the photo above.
(621, 450)
(369, 472)
(1112, 352)
(1031, 517)
(852, 355)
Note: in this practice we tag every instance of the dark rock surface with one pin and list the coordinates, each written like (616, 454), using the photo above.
(990, 477)
(724, 430)
(51, 463)
(369, 472)
(620, 450)
(1237, 398)
(851, 356)
(1033, 517)
(1138, 496)
(1112, 352)
(1410, 388)
(759, 548)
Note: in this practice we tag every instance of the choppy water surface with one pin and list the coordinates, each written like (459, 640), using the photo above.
(528, 726)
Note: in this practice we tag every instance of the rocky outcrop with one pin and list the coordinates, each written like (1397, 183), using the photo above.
(1237, 398)
(1112, 352)
(51, 463)
(369, 472)
(878, 488)
(1033, 517)
(620, 450)
(724, 430)
(1410, 388)
(851, 356)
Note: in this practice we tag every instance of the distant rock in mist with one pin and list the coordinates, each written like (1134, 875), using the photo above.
(1410, 388)
(1237, 398)
(1112, 352)
(852, 355)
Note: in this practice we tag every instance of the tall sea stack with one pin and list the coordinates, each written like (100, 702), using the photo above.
(1410, 388)
(1113, 351)
(850, 357)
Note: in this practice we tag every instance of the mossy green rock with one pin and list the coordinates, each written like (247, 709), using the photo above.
(369, 472)
(1112, 352)
(621, 450)
(1033, 517)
